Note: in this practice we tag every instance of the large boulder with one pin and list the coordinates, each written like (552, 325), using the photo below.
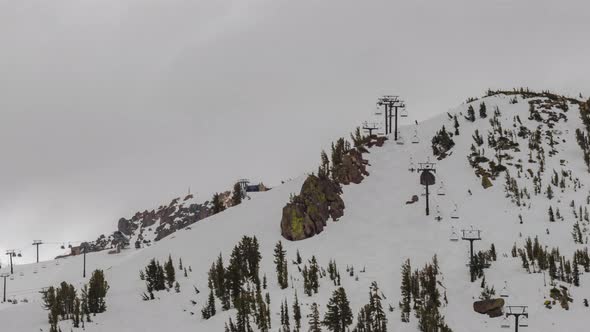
(493, 307)
(307, 213)
(126, 226)
(352, 169)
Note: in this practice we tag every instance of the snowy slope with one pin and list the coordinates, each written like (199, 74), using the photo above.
(378, 231)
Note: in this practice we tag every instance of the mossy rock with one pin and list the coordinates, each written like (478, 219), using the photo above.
(486, 182)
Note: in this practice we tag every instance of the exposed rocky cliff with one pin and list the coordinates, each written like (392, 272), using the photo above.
(319, 200)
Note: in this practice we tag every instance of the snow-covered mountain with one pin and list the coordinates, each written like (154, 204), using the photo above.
(494, 178)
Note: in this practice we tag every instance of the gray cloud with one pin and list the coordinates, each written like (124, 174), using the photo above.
(108, 106)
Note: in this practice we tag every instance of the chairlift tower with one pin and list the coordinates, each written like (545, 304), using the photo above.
(471, 235)
(370, 127)
(391, 103)
(4, 275)
(11, 253)
(427, 179)
(244, 186)
(37, 243)
(517, 312)
(84, 248)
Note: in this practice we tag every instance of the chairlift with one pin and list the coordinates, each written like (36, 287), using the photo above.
(22, 274)
(378, 110)
(35, 271)
(454, 237)
(400, 139)
(20, 254)
(415, 138)
(438, 215)
(505, 323)
(412, 167)
(12, 277)
(441, 189)
(403, 113)
(504, 291)
(523, 322)
(455, 213)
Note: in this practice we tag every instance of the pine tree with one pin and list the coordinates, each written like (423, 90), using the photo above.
(97, 291)
(314, 319)
(338, 315)
(76, 317)
(281, 265)
(470, 114)
(180, 267)
(209, 309)
(217, 203)
(549, 192)
(298, 258)
(551, 215)
(456, 125)
(297, 314)
(406, 289)
(236, 197)
(576, 272)
(378, 317)
(286, 324)
(482, 110)
(170, 273)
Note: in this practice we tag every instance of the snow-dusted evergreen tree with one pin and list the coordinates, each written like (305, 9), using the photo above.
(338, 314)
(281, 265)
(170, 273)
(315, 324)
(470, 114)
(297, 314)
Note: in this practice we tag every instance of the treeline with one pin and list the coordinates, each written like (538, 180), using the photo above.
(64, 302)
(537, 258)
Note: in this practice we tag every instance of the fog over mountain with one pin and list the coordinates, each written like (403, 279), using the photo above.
(108, 107)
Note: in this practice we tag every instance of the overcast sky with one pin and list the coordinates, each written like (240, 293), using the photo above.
(111, 106)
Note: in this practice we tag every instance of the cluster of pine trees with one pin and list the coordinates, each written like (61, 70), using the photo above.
(239, 286)
(482, 260)
(536, 258)
(159, 277)
(311, 277)
(420, 293)
(333, 272)
(471, 112)
(371, 317)
(280, 256)
(331, 169)
(64, 303)
(442, 143)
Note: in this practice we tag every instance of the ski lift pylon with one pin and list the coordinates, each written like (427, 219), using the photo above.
(523, 322)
